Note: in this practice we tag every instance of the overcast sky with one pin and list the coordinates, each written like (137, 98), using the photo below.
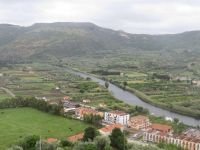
(134, 16)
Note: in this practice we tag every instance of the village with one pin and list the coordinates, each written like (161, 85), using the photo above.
(139, 127)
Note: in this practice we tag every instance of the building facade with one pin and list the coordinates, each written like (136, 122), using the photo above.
(139, 122)
(190, 140)
(117, 117)
(80, 112)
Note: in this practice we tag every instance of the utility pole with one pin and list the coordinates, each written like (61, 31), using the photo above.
(124, 140)
(40, 143)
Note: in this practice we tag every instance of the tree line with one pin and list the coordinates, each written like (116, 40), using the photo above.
(33, 103)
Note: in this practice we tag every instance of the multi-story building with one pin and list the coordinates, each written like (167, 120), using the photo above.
(139, 122)
(190, 140)
(117, 117)
(80, 112)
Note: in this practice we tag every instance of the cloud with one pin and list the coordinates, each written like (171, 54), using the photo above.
(135, 16)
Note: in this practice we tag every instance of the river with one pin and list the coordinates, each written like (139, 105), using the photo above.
(131, 99)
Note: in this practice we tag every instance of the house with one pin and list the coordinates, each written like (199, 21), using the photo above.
(52, 102)
(66, 98)
(189, 140)
(139, 122)
(196, 82)
(86, 101)
(107, 130)
(69, 105)
(102, 105)
(52, 140)
(80, 112)
(76, 137)
(117, 117)
(162, 128)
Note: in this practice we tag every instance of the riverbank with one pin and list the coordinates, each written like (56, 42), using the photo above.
(148, 100)
(132, 99)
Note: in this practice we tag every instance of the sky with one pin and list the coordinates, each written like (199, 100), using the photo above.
(133, 16)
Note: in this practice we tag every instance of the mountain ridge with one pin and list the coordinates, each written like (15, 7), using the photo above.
(66, 39)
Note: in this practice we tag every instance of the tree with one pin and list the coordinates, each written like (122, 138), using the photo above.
(118, 139)
(139, 109)
(106, 84)
(93, 119)
(125, 84)
(85, 146)
(102, 142)
(29, 142)
(176, 121)
(82, 91)
(45, 145)
(65, 143)
(89, 134)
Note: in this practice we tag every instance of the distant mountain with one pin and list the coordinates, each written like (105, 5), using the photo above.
(67, 39)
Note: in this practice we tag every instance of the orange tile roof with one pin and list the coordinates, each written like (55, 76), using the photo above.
(76, 137)
(66, 98)
(52, 140)
(161, 127)
(121, 113)
(111, 127)
(83, 111)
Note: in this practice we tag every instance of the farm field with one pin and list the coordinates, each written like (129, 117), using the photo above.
(21, 122)
(52, 83)
(177, 95)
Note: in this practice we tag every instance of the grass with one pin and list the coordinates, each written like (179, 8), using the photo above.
(20, 122)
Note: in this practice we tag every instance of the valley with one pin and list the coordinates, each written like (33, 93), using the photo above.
(153, 75)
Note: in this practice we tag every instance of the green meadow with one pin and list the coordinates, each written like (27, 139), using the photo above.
(15, 124)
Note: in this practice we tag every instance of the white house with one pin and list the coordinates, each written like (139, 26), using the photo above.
(118, 117)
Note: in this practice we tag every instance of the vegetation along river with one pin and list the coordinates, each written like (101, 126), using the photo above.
(131, 99)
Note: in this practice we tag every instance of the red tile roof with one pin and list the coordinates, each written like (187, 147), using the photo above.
(120, 113)
(111, 127)
(76, 137)
(66, 98)
(88, 111)
(161, 127)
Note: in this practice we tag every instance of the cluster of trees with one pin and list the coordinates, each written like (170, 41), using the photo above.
(86, 86)
(91, 141)
(161, 76)
(105, 72)
(178, 126)
(92, 119)
(117, 140)
(35, 143)
(31, 102)
(137, 110)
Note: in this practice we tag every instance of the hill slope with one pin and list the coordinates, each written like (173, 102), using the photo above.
(77, 39)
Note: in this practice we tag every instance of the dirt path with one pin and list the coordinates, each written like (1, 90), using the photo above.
(8, 92)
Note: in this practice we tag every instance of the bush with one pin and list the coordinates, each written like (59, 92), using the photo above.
(89, 134)
(65, 143)
(29, 142)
